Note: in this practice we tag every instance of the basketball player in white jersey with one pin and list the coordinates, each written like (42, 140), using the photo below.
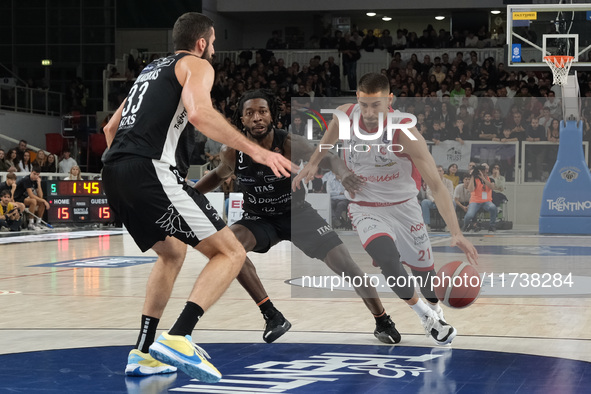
(385, 210)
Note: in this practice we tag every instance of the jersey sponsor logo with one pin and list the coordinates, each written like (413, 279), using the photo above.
(242, 167)
(273, 178)
(268, 209)
(212, 211)
(246, 179)
(324, 229)
(262, 189)
(420, 239)
(251, 199)
(282, 199)
(180, 119)
(417, 227)
(369, 228)
(380, 178)
(148, 76)
(171, 222)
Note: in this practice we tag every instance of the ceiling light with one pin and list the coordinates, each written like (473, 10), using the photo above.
(440, 17)
(386, 18)
(371, 14)
(495, 12)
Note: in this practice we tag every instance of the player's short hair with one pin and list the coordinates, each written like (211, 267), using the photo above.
(188, 28)
(264, 94)
(373, 83)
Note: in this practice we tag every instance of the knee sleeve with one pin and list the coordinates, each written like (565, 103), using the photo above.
(426, 288)
(384, 252)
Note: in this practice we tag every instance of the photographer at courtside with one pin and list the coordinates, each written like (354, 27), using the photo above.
(481, 197)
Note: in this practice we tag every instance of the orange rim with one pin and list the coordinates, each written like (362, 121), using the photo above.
(559, 61)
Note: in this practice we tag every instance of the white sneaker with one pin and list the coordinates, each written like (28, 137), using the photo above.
(32, 227)
(40, 226)
(441, 332)
(438, 310)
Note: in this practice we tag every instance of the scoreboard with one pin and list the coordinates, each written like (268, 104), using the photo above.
(77, 202)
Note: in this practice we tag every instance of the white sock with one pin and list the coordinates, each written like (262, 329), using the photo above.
(421, 309)
(435, 307)
(31, 221)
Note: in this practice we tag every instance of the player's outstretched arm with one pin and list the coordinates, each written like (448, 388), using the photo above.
(330, 137)
(111, 128)
(215, 177)
(196, 75)
(424, 162)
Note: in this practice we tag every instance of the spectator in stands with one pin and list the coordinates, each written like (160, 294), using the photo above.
(350, 55)
(471, 40)
(554, 105)
(297, 126)
(28, 191)
(4, 166)
(10, 185)
(385, 41)
(462, 195)
(20, 151)
(10, 215)
(452, 174)
(400, 40)
(507, 135)
(275, 41)
(25, 164)
(40, 159)
(457, 93)
(429, 202)
(499, 189)
(480, 188)
(50, 164)
(460, 132)
(369, 42)
(338, 201)
(517, 126)
(212, 152)
(67, 162)
(74, 174)
(553, 134)
(546, 119)
(486, 130)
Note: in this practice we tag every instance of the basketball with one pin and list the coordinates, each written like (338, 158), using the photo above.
(457, 284)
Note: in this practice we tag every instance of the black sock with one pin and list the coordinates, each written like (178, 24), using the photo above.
(187, 320)
(147, 333)
(381, 318)
(267, 308)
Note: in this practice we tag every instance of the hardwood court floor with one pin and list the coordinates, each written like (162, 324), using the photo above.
(54, 307)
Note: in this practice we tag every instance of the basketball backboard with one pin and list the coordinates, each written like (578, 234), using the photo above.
(538, 30)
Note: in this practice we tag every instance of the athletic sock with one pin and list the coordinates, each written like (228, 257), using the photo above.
(382, 318)
(147, 333)
(435, 307)
(267, 308)
(421, 309)
(187, 320)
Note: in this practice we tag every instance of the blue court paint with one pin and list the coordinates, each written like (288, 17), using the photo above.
(523, 250)
(302, 368)
(101, 262)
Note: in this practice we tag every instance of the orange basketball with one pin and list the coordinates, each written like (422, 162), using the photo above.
(457, 284)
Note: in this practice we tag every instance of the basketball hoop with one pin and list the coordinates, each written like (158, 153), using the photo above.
(560, 65)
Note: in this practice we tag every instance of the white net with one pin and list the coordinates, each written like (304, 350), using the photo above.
(560, 66)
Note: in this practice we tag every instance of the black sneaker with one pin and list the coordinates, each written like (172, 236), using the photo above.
(386, 332)
(275, 326)
(492, 229)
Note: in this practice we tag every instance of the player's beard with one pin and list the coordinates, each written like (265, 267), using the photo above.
(206, 55)
(259, 136)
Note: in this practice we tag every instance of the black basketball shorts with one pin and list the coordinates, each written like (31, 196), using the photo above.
(153, 202)
(307, 230)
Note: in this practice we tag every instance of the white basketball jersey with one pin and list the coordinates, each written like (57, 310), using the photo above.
(390, 177)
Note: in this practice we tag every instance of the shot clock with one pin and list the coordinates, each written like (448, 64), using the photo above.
(77, 202)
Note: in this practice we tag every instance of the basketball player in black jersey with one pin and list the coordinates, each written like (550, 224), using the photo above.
(268, 204)
(150, 138)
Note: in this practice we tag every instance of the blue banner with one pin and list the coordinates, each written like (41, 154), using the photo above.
(516, 53)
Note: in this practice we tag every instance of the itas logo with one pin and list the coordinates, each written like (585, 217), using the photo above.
(569, 174)
(417, 227)
(324, 229)
(394, 122)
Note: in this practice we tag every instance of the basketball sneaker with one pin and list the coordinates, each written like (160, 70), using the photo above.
(142, 364)
(386, 332)
(441, 332)
(182, 353)
(275, 326)
(438, 310)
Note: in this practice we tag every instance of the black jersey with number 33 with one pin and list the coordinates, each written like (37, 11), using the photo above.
(154, 122)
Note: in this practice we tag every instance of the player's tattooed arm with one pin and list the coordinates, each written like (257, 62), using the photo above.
(215, 177)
